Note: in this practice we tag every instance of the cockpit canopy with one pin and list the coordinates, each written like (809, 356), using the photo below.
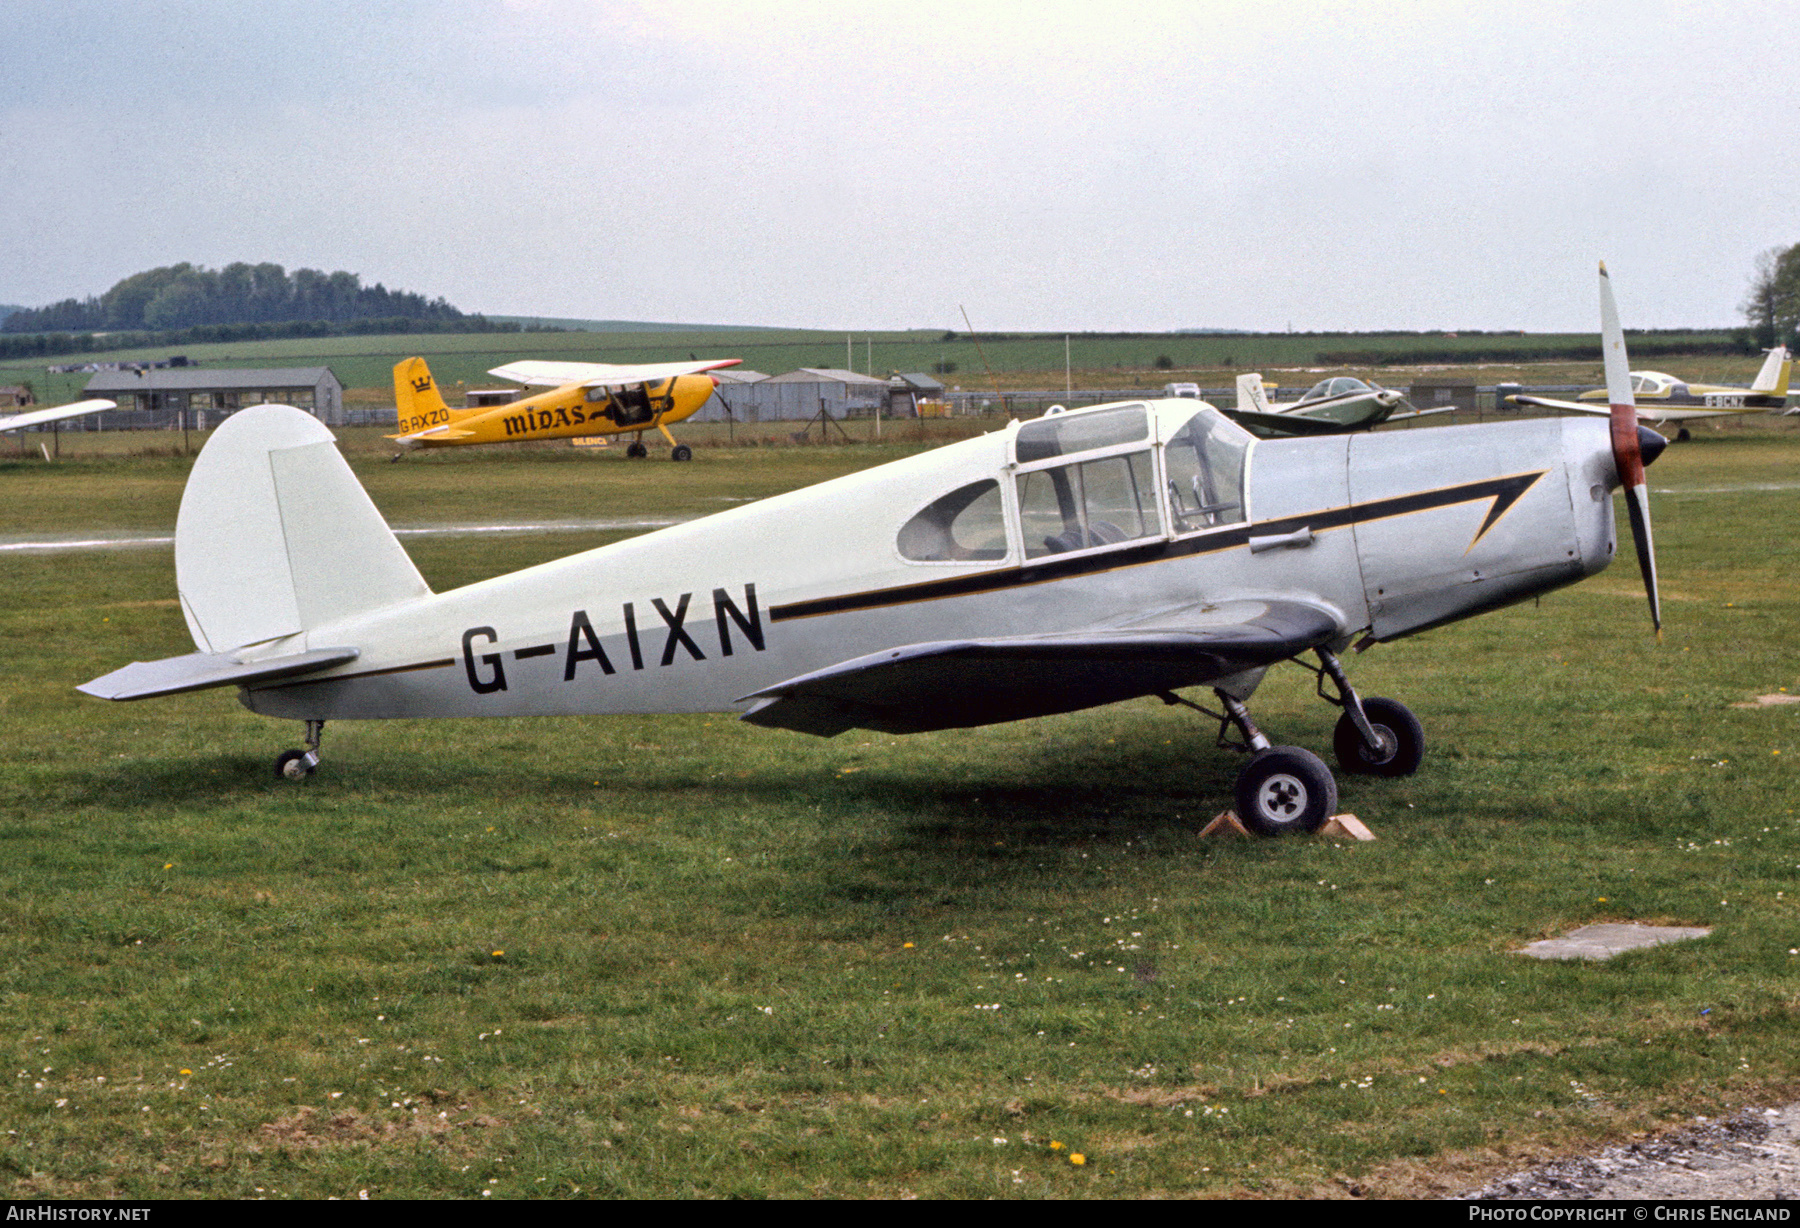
(1090, 479)
(1336, 386)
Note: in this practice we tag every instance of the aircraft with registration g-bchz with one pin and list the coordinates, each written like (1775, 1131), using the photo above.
(1078, 559)
(586, 398)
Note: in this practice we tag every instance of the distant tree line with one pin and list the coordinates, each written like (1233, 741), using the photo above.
(50, 345)
(1772, 306)
(182, 296)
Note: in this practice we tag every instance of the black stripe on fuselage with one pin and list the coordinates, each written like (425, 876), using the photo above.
(1504, 491)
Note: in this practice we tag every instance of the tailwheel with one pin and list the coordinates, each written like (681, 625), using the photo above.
(636, 451)
(299, 764)
(294, 765)
(681, 452)
(1285, 789)
(1400, 740)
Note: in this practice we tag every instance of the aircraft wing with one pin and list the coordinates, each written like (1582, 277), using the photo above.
(1421, 413)
(537, 373)
(54, 414)
(952, 684)
(1285, 424)
(199, 670)
(1648, 413)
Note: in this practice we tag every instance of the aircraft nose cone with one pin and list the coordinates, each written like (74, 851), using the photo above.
(1650, 444)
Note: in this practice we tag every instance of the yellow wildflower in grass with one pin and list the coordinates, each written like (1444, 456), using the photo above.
(187, 1072)
(1077, 1158)
(1055, 1146)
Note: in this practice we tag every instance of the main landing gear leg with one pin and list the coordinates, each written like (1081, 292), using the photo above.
(1281, 788)
(1375, 736)
(677, 451)
(299, 764)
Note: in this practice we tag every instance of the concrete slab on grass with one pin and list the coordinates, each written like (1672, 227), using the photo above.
(1606, 941)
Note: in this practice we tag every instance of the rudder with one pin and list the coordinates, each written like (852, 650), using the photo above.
(417, 398)
(276, 536)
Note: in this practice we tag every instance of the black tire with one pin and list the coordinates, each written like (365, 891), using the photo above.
(292, 765)
(1285, 789)
(682, 452)
(636, 451)
(1402, 737)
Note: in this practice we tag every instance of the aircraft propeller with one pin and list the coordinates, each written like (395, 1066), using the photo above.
(1628, 443)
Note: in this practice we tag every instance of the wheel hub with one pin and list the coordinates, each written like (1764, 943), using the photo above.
(1282, 797)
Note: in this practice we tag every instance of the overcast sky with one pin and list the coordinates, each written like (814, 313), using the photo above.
(849, 164)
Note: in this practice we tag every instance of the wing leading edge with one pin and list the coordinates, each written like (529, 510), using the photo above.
(544, 374)
(955, 684)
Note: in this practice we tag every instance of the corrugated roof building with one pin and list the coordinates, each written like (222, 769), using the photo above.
(802, 394)
(159, 397)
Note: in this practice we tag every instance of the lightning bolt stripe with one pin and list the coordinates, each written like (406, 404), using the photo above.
(1503, 492)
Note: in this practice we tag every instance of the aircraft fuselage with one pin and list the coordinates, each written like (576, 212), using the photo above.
(1388, 533)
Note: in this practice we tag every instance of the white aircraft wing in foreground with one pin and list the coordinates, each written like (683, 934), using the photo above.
(56, 413)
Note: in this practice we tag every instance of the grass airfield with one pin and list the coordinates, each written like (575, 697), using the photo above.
(679, 956)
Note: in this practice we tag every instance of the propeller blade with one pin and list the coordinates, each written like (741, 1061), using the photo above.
(1628, 454)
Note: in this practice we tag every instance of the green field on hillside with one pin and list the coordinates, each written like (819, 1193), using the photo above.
(1018, 361)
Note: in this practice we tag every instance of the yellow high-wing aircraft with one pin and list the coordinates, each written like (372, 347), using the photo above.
(586, 398)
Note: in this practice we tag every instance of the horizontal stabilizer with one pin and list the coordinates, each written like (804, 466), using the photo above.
(199, 670)
(954, 684)
(435, 432)
(546, 374)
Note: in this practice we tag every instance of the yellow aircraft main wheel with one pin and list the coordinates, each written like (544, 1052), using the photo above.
(636, 451)
(682, 452)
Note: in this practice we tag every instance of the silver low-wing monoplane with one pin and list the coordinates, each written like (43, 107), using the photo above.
(1085, 557)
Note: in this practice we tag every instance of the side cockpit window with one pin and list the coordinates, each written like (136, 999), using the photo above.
(966, 525)
(1092, 503)
(1205, 464)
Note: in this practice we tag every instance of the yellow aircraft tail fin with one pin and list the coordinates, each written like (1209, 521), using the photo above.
(417, 399)
(1776, 368)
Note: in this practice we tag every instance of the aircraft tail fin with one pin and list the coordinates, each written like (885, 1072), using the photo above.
(417, 398)
(276, 536)
(1251, 399)
(1776, 368)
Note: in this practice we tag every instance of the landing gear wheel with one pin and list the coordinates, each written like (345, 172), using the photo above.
(682, 452)
(294, 765)
(1284, 789)
(1402, 740)
(636, 451)
(1682, 435)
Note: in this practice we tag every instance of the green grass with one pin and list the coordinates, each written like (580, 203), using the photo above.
(680, 956)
